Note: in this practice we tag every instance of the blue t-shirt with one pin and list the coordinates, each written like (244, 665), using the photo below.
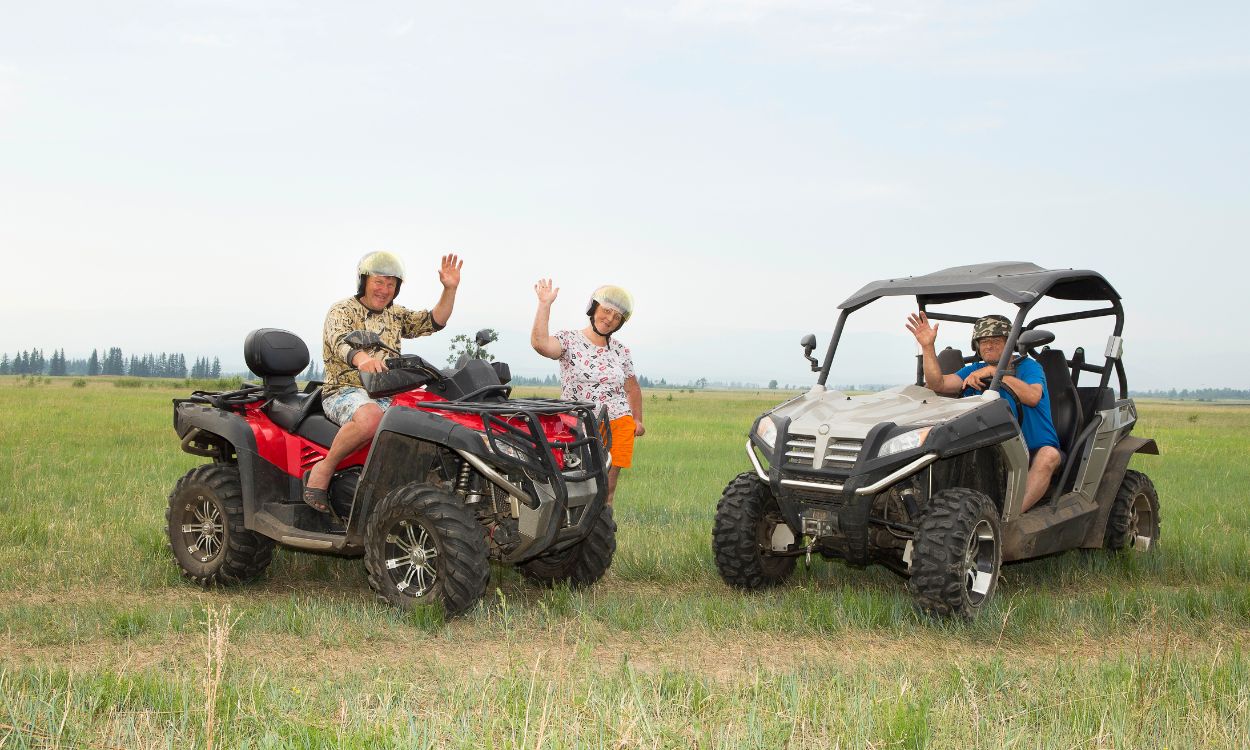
(1038, 429)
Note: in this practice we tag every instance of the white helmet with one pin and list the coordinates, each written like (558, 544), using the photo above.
(379, 263)
(613, 298)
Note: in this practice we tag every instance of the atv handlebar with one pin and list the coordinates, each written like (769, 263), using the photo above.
(404, 373)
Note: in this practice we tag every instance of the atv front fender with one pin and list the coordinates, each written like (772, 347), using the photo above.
(406, 450)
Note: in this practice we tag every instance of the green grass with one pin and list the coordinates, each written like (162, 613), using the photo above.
(103, 645)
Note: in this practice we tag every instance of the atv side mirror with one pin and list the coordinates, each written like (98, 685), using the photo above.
(366, 340)
(485, 336)
(809, 345)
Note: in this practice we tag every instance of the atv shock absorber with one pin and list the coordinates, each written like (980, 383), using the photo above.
(468, 483)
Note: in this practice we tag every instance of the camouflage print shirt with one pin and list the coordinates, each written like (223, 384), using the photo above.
(392, 324)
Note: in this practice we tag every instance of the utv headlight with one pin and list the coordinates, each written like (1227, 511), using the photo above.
(766, 430)
(904, 442)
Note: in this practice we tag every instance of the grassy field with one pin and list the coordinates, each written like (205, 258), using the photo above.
(102, 644)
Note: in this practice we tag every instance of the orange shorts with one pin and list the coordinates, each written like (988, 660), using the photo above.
(622, 441)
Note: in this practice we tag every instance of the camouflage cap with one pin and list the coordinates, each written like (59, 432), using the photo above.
(990, 326)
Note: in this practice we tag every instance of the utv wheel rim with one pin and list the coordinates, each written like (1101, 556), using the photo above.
(410, 559)
(979, 568)
(1141, 524)
(205, 531)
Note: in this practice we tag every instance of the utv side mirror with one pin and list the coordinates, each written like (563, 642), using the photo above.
(1032, 339)
(485, 336)
(809, 345)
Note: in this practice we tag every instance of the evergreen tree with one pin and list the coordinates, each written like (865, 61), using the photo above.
(215, 374)
(115, 363)
(93, 364)
(5, 367)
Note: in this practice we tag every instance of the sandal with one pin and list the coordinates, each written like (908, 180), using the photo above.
(318, 498)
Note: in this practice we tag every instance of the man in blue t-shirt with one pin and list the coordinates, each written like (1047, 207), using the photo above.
(1023, 378)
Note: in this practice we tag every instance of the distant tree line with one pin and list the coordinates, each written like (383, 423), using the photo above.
(163, 365)
(1196, 394)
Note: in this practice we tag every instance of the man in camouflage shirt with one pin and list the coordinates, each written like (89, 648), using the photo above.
(373, 309)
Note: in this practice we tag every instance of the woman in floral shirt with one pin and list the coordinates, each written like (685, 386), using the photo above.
(595, 367)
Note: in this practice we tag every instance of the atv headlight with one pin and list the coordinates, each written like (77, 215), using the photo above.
(506, 448)
(904, 442)
(766, 430)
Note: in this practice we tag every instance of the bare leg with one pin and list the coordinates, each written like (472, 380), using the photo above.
(612, 474)
(351, 436)
(1043, 467)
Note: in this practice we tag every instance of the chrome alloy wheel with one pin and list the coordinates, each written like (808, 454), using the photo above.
(206, 534)
(410, 558)
(1142, 526)
(978, 563)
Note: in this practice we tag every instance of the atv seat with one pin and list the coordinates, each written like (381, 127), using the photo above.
(277, 356)
(301, 413)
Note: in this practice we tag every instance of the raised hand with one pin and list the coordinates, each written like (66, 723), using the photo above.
(918, 324)
(545, 291)
(449, 271)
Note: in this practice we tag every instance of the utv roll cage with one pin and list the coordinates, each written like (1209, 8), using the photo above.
(1020, 284)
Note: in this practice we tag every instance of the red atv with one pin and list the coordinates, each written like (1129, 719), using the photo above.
(458, 474)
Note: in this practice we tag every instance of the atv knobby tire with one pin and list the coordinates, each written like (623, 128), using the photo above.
(423, 547)
(204, 523)
(583, 563)
(1134, 520)
(746, 516)
(956, 555)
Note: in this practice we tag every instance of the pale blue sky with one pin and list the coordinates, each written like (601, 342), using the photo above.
(174, 173)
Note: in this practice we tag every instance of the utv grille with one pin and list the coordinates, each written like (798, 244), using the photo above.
(840, 453)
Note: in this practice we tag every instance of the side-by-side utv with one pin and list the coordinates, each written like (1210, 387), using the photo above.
(932, 486)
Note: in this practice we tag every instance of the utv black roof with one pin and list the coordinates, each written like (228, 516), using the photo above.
(1012, 282)
(1020, 284)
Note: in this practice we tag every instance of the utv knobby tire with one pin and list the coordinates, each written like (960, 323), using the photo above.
(422, 546)
(956, 555)
(746, 516)
(204, 524)
(1134, 520)
(583, 563)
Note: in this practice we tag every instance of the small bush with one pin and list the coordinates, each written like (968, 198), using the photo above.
(128, 383)
(80, 383)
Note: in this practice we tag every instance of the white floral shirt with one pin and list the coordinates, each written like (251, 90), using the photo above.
(595, 373)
